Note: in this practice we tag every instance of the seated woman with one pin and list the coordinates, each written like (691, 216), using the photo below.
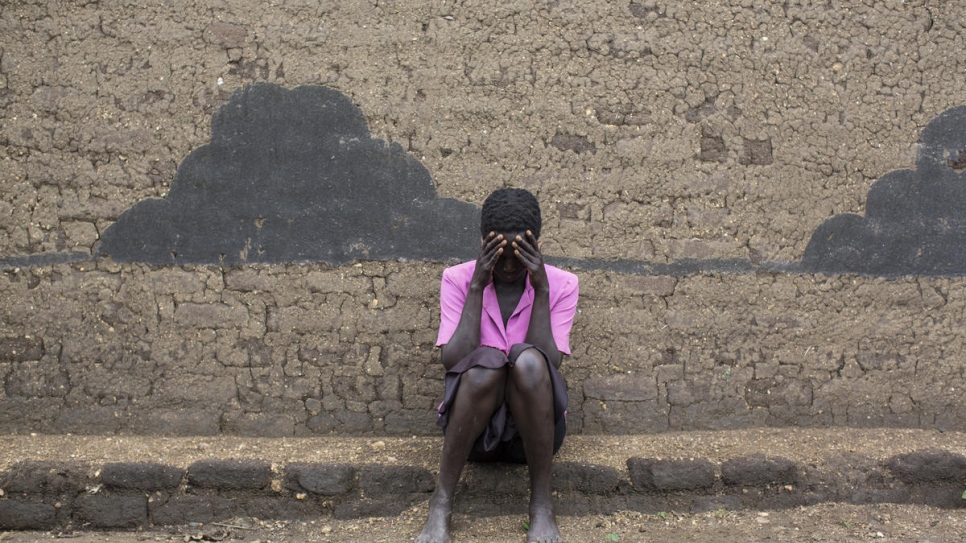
(504, 327)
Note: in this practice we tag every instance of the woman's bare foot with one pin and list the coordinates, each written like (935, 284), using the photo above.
(437, 528)
(543, 525)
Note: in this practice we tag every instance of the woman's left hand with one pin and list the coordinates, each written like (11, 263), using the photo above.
(527, 251)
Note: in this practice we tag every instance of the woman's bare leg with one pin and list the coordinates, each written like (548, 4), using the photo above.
(480, 393)
(529, 394)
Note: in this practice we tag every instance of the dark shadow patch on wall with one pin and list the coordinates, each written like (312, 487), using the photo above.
(294, 176)
(713, 149)
(915, 220)
(571, 142)
(757, 152)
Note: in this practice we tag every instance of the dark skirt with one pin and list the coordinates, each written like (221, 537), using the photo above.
(500, 442)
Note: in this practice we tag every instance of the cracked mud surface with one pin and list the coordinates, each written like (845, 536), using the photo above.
(302, 350)
(711, 129)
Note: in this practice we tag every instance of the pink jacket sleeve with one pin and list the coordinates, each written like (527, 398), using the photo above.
(452, 296)
(562, 311)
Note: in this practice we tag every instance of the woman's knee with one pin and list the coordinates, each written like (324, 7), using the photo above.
(482, 380)
(530, 369)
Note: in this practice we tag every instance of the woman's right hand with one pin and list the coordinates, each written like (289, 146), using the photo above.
(490, 250)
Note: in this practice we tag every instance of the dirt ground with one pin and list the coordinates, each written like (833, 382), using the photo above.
(825, 522)
(803, 445)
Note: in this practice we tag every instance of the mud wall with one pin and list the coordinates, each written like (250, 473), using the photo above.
(296, 350)
(650, 131)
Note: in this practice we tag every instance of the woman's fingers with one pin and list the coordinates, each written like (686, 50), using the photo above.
(492, 250)
(526, 251)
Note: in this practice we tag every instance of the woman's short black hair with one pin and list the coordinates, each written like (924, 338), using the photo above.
(510, 210)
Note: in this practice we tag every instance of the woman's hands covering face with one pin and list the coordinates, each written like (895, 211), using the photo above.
(526, 250)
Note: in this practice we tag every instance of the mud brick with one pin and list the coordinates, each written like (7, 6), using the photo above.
(259, 425)
(274, 507)
(615, 417)
(145, 476)
(26, 516)
(781, 500)
(667, 373)
(759, 470)
(942, 495)
(494, 479)
(25, 478)
(322, 423)
(657, 474)
(879, 495)
(585, 478)
(111, 511)
(407, 421)
(928, 466)
(621, 387)
(372, 508)
(185, 509)
(379, 480)
(180, 422)
(354, 422)
(322, 479)
(88, 420)
(47, 478)
(230, 474)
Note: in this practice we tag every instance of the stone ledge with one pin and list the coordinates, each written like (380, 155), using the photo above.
(49, 495)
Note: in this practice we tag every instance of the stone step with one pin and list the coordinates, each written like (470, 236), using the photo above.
(126, 482)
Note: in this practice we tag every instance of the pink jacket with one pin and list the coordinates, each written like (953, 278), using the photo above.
(563, 304)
